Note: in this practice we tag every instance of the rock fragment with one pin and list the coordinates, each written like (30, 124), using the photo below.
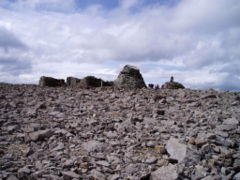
(165, 173)
(93, 145)
(68, 175)
(176, 149)
(38, 135)
(97, 175)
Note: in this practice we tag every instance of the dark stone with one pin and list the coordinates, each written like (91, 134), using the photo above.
(72, 81)
(51, 82)
(146, 177)
(91, 81)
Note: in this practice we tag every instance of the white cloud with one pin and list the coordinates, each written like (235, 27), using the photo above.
(41, 5)
(194, 37)
(126, 4)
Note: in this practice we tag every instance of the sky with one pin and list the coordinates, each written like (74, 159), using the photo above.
(196, 41)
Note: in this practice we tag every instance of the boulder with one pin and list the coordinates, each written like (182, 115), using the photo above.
(172, 84)
(51, 82)
(130, 78)
(72, 81)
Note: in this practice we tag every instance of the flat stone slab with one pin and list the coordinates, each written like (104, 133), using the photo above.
(176, 150)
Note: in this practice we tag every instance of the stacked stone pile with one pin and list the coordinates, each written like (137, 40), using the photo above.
(172, 84)
(130, 78)
(113, 134)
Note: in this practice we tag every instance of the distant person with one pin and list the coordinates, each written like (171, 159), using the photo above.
(171, 79)
(151, 85)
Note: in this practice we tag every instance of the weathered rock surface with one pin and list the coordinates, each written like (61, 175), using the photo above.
(106, 133)
(130, 78)
(51, 82)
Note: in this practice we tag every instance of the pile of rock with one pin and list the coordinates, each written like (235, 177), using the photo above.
(172, 85)
(130, 78)
(107, 133)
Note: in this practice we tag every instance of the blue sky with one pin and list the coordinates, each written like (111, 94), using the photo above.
(196, 41)
(107, 4)
(113, 4)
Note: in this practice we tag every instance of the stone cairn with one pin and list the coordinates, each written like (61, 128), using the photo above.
(130, 78)
(172, 84)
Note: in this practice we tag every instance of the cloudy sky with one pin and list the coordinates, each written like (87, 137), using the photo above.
(196, 41)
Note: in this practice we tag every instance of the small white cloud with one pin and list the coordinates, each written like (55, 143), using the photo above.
(126, 4)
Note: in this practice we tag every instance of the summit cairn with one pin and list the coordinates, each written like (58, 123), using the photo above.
(172, 84)
(130, 78)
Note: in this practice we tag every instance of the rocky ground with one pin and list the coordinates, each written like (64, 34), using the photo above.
(63, 133)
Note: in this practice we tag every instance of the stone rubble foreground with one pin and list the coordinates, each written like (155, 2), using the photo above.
(106, 133)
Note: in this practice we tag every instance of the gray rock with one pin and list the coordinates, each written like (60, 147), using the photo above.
(131, 169)
(151, 160)
(200, 172)
(97, 175)
(227, 127)
(12, 128)
(93, 145)
(60, 146)
(130, 78)
(151, 144)
(68, 175)
(12, 177)
(114, 177)
(103, 163)
(236, 176)
(23, 173)
(176, 150)
(231, 121)
(111, 134)
(165, 173)
(38, 135)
